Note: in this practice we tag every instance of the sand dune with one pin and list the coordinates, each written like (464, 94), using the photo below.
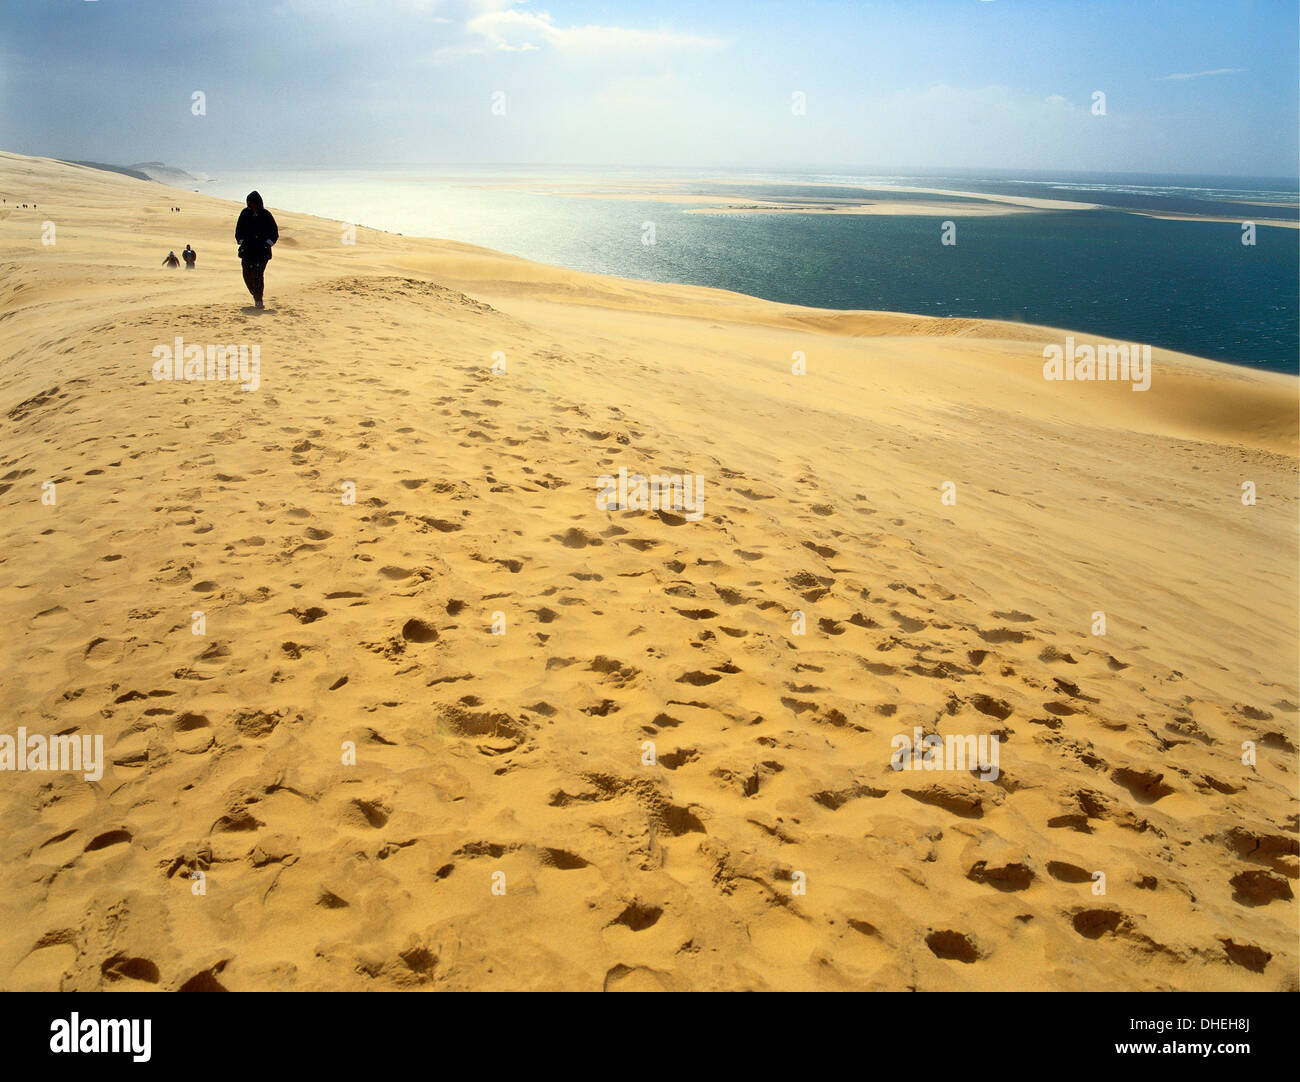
(770, 845)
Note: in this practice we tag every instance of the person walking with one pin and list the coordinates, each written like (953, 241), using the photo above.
(190, 256)
(171, 260)
(256, 233)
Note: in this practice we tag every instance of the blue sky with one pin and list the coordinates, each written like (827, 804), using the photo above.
(1191, 87)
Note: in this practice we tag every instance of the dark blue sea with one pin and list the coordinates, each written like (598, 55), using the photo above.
(1190, 286)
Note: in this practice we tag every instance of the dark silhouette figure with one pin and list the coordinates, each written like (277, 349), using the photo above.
(190, 256)
(256, 233)
(171, 260)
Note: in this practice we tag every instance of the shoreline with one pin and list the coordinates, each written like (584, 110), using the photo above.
(977, 204)
(1015, 330)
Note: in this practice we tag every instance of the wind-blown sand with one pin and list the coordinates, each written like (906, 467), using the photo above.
(523, 753)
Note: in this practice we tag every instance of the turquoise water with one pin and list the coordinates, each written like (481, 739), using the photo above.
(1181, 285)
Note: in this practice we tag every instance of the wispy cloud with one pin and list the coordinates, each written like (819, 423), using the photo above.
(501, 26)
(1202, 74)
(512, 30)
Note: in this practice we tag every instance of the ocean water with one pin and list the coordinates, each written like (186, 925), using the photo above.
(1190, 286)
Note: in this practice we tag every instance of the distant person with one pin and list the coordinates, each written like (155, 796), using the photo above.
(256, 233)
(190, 256)
(171, 260)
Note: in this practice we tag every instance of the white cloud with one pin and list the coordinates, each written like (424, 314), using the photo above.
(512, 30)
(348, 8)
(462, 28)
(454, 52)
(1202, 74)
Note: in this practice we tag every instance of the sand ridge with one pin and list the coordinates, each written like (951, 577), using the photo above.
(330, 624)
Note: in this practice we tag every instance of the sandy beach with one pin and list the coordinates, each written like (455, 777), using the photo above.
(387, 700)
(968, 204)
(958, 203)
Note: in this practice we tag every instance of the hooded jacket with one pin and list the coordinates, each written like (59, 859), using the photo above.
(256, 231)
